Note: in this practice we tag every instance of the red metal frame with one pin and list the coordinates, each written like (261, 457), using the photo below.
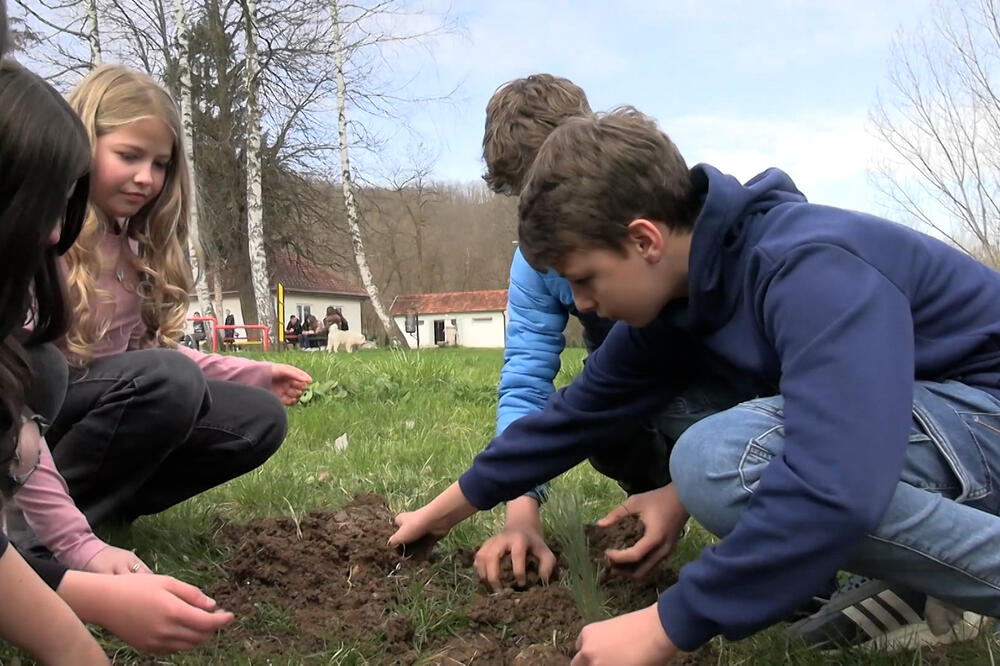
(247, 327)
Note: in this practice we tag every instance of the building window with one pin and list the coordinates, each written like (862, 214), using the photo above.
(304, 311)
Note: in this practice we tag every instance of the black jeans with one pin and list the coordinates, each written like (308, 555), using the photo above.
(144, 430)
(49, 377)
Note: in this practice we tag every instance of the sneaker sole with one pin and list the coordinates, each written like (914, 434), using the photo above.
(916, 636)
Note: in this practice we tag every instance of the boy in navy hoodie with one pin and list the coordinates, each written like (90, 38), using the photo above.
(874, 351)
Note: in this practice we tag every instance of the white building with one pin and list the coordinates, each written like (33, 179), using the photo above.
(308, 289)
(462, 318)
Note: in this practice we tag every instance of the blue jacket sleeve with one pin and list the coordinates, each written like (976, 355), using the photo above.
(844, 336)
(622, 382)
(535, 323)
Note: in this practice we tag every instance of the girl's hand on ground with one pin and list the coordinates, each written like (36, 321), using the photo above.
(288, 382)
(663, 516)
(157, 614)
(522, 535)
(116, 561)
(634, 639)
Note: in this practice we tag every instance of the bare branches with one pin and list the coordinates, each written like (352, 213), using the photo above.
(941, 124)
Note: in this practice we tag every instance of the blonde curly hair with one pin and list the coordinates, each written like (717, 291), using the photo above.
(110, 97)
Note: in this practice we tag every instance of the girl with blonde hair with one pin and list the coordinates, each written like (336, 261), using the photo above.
(44, 184)
(146, 423)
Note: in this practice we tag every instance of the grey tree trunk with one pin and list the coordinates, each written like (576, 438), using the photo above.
(347, 183)
(194, 230)
(259, 276)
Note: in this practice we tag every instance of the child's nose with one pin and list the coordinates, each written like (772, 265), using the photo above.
(145, 174)
(583, 302)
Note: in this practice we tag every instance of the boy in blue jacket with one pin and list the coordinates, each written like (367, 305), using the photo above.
(876, 350)
(519, 116)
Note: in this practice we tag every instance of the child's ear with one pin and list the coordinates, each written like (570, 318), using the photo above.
(647, 238)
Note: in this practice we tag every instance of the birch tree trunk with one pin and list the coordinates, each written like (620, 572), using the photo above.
(187, 119)
(217, 291)
(391, 330)
(255, 207)
(93, 34)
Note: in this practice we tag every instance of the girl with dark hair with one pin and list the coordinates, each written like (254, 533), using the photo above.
(45, 151)
(45, 160)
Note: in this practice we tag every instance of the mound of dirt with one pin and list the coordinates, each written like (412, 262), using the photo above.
(296, 587)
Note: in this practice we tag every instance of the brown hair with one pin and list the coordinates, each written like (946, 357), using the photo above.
(593, 177)
(519, 117)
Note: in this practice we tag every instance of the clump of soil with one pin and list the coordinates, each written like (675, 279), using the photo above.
(625, 592)
(305, 587)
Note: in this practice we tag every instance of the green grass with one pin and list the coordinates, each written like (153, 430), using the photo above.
(413, 421)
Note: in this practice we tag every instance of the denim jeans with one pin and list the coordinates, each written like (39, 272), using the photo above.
(940, 533)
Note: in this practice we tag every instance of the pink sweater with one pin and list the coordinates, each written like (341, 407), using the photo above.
(47, 506)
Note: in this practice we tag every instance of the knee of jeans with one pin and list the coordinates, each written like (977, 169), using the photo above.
(177, 387)
(49, 379)
(273, 419)
(704, 466)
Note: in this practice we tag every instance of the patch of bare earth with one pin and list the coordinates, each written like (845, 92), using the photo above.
(306, 587)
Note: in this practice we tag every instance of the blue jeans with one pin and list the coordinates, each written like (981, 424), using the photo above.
(940, 533)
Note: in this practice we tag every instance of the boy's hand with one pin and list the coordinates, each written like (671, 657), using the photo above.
(662, 514)
(429, 524)
(417, 533)
(634, 639)
(522, 535)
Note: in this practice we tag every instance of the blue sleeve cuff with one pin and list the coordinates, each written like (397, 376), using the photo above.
(685, 628)
(473, 487)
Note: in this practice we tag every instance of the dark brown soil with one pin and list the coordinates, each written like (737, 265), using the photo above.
(307, 588)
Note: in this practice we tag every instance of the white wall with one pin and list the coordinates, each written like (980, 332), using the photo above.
(228, 303)
(349, 305)
(473, 329)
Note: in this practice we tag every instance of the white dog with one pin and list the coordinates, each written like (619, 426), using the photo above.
(351, 340)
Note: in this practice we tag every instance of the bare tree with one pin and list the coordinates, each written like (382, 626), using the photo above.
(64, 24)
(187, 119)
(941, 123)
(347, 182)
(259, 275)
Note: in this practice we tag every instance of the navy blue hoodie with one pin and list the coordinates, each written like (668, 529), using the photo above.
(838, 312)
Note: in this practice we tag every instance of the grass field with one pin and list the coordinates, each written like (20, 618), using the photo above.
(413, 422)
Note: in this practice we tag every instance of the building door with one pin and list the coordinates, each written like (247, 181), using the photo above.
(439, 331)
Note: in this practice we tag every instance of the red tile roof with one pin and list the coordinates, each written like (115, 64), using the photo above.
(298, 275)
(450, 302)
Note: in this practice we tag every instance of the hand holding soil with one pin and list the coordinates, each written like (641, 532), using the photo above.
(522, 540)
(663, 517)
